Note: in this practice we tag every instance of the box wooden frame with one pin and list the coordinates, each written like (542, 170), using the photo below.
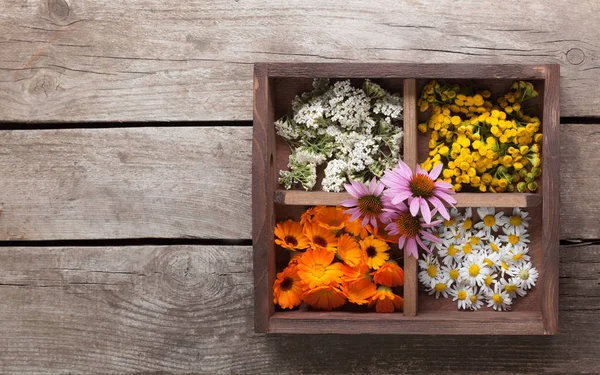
(265, 195)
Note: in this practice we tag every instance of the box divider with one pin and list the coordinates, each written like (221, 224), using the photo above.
(411, 283)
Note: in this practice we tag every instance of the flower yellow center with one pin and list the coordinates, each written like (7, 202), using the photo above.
(510, 288)
(474, 270)
(408, 225)
(474, 240)
(454, 274)
(432, 270)
(524, 274)
(370, 205)
(497, 299)
(318, 271)
(467, 248)
(489, 220)
(517, 257)
(462, 295)
(440, 287)
(450, 222)
(488, 280)
(421, 185)
(494, 247)
(488, 261)
(513, 239)
(467, 224)
(504, 266)
(473, 298)
(515, 221)
(452, 250)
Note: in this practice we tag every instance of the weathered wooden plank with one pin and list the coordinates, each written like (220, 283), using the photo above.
(175, 182)
(125, 183)
(141, 60)
(579, 181)
(189, 309)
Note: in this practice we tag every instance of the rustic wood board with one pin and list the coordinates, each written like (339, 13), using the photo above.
(190, 182)
(70, 61)
(57, 184)
(189, 309)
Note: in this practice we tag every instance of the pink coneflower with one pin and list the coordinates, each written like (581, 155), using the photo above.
(367, 203)
(410, 229)
(419, 188)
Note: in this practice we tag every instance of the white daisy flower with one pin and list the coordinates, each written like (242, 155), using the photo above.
(474, 271)
(461, 293)
(492, 260)
(452, 223)
(453, 272)
(512, 287)
(467, 250)
(441, 287)
(476, 239)
(526, 273)
(430, 269)
(515, 238)
(518, 255)
(498, 299)
(466, 224)
(450, 252)
(504, 266)
(494, 244)
(490, 220)
(476, 300)
(488, 282)
(518, 220)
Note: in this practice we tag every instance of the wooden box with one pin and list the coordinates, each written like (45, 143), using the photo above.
(275, 84)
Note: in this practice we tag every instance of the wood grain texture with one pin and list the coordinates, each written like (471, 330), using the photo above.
(308, 198)
(189, 310)
(424, 323)
(410, 152)
(146, 61)
(61, 185)
(263, 187)
(190, 182)
(548, 281)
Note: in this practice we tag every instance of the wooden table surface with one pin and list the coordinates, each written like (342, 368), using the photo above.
(125, 179)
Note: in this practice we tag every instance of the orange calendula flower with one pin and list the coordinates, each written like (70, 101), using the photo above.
(320, 238)
(325, 297)
(287, 289)
(309, 215)
(315, 268)
(359, 292)
(390, 274)
(289, 235)
(349, 251)
(356, 229)
(356, 273)
(331, 218)
(376, 251)
(386, 301)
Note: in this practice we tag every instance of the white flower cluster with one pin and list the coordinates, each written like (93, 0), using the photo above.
(478, 265)
(357, 132)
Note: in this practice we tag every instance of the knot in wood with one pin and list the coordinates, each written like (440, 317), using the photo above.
(575, 56)
(58, 9)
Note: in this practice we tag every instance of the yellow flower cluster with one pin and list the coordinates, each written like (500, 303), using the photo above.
(490, 147)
